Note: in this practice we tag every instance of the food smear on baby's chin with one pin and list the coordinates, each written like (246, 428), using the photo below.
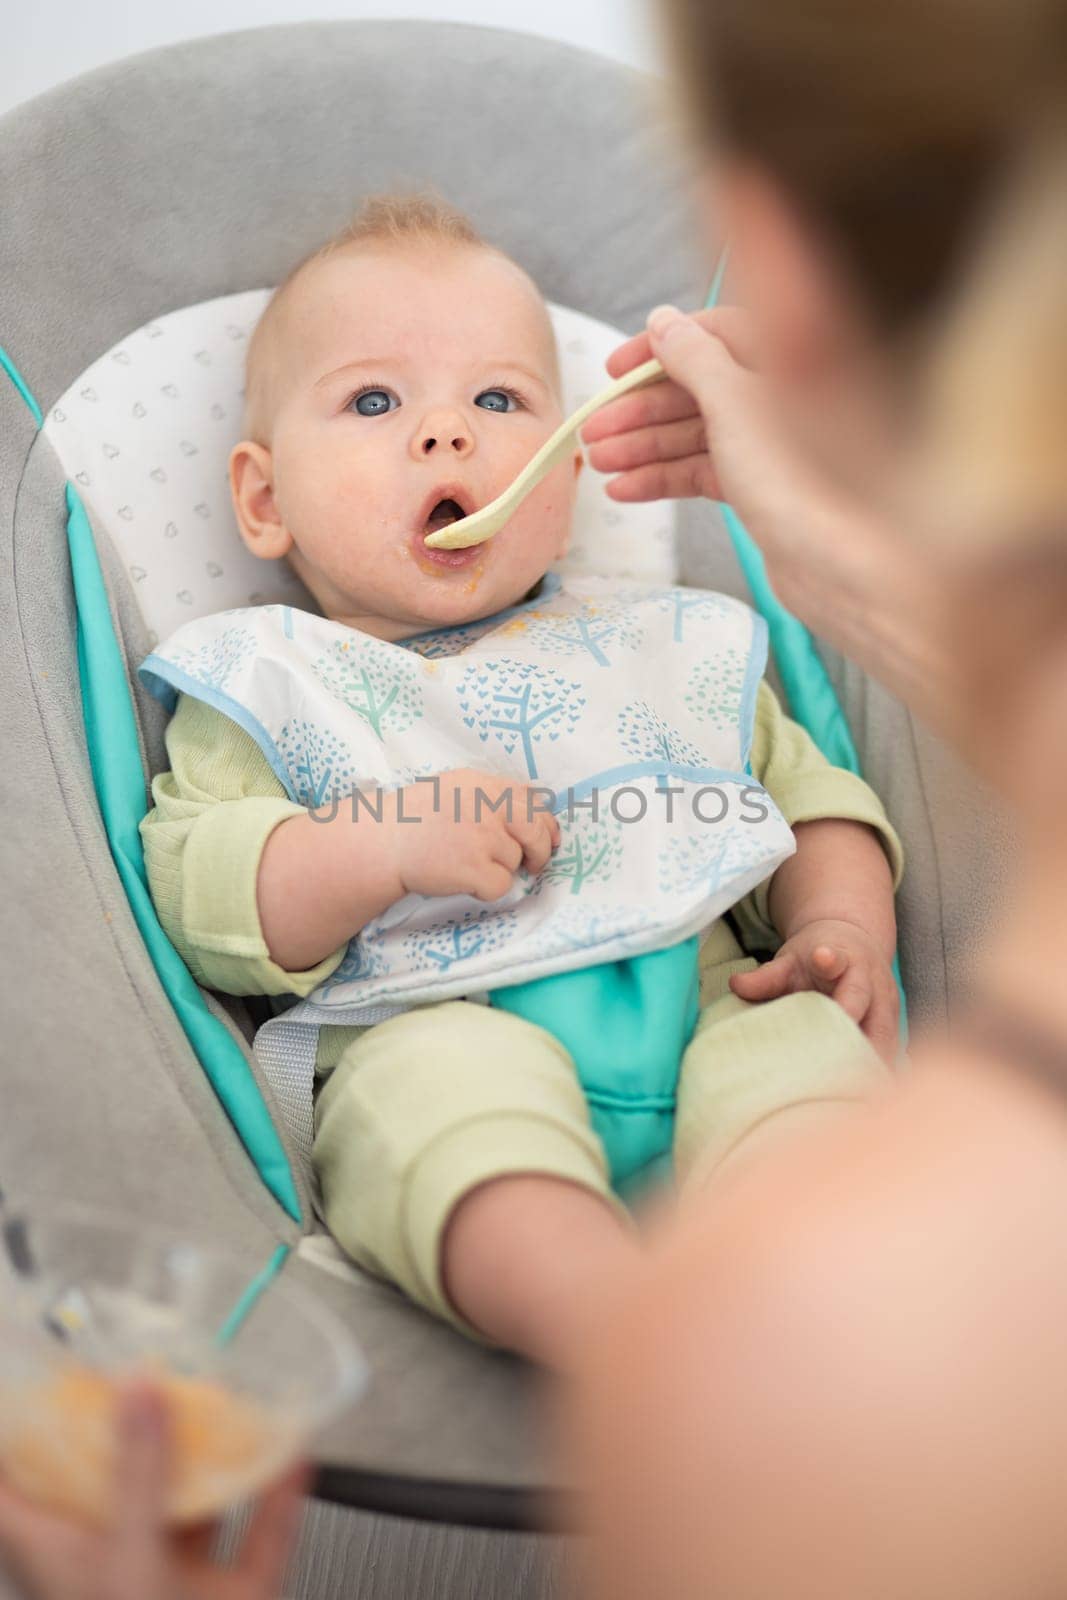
(471, 558)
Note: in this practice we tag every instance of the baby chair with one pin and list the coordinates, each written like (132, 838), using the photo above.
(147, 208)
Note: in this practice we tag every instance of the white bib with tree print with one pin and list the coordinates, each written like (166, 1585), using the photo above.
(629, 708)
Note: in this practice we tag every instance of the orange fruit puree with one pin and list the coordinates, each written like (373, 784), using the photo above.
(59, 1449)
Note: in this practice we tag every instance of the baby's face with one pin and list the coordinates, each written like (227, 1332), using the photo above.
(410, 375)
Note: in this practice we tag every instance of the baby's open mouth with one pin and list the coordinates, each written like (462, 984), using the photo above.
(440, 511)
(444, 513)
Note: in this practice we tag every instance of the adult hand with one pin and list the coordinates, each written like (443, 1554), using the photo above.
(657, 439)
(139, 1558)
(712, 431)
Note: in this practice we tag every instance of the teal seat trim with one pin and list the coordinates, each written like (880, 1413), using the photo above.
(17, 379)
(118, 777)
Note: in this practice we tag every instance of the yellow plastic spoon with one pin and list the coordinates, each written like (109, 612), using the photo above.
(481, 525)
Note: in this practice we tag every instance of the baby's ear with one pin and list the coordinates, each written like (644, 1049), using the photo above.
(251, 470)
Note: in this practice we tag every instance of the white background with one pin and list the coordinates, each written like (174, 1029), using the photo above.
(47, 41)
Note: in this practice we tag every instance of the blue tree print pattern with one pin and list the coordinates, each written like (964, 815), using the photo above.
(589, 852)
(682, 603)
(438, 947)
(704, 861)
(217, 661)
(716, 687)
(381, 686)
(591, 631)
(650, 737)
(573, 926)
(448, 641)
(359, 962)
(271, 610)
(409, 774)
(519, 702)
(318, 763)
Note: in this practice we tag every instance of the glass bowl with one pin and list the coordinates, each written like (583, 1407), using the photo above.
(88, 1298)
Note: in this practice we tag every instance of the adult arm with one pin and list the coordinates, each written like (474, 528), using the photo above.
(844, 1377)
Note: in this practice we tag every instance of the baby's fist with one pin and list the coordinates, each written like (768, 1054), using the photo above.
(839, 959)
(469, 832)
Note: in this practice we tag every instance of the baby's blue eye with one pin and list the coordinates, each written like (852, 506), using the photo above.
(495, 400)
(375, 402)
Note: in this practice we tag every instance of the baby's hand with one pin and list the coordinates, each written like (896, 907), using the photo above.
(460, 845)
(842, 960)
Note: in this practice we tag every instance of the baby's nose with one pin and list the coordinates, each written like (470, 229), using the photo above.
(447, 434)
(446, 439)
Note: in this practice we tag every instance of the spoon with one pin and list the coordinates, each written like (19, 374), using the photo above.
(481, 525)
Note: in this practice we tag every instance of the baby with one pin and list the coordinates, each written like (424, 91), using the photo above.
(495, 1062)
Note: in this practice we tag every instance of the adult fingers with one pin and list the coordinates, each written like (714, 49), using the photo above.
(662, 402)
(268, 1543)
(693, 358)
(667, 480)
(732, 324)
(669, 441)
(196, 1542)
(137, 1557)
(41, 1549)
(20, 1520)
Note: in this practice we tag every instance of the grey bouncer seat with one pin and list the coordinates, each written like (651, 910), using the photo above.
(175, 178)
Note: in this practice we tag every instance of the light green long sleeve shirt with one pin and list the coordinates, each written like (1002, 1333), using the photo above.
(220, 800)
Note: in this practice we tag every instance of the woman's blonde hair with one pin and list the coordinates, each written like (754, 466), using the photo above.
(926, 140)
